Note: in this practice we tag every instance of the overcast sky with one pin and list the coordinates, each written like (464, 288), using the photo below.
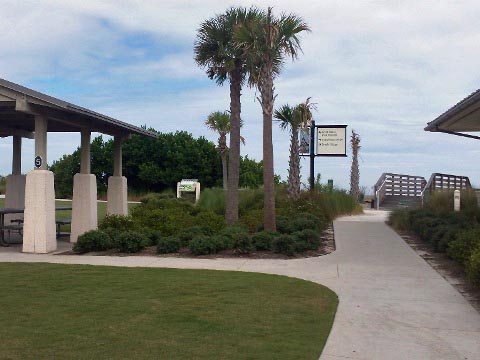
(384, 68)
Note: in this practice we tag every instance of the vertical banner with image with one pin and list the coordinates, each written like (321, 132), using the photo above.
(304, 141)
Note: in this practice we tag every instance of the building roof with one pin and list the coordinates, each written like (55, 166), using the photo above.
(462, 117)
(18, 106)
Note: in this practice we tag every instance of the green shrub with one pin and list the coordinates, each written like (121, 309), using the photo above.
(93, 240)
(307, 239)
(284, 225)
(131, 242)
(223, 242)
(186, 235)
(399, 219)
(263, 240)
(473, 266)
(243, 244)
(203, 245)
(300, 223)
(253, 220)
(118, 222)
(284, 244)
(464, 245)
(211, 220)
(168, 245)
(153, 236)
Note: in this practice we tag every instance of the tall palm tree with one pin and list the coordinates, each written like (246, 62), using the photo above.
(220, 122)
(294, 119)
(215, 50)
(354, 171)
(266, 42)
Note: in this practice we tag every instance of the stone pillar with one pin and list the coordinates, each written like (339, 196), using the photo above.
(39, 227)
(15, 184)
(84, 204)
(456, 200)
(117, 184)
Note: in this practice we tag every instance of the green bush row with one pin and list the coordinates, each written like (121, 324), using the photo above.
(297, 236)
(456, 233)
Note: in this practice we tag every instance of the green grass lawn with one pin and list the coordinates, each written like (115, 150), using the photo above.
(52, 311)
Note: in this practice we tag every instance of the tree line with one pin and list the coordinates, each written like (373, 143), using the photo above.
(154, 165)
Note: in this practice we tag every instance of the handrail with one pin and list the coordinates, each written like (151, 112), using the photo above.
(377, 192)
(392, 184)
(451, 181)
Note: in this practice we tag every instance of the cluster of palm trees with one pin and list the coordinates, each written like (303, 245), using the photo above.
(294, 119)
(248, 46)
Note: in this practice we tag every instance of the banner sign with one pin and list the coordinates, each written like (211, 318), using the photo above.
(331, 140)
(188, 185)
(304, 141)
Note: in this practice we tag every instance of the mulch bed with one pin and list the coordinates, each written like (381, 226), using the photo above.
(448, 268)
(327, 245)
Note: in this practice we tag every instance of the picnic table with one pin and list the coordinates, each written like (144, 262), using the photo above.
(19, 227)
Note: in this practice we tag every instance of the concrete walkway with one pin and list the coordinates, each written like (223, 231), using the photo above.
(393, 305)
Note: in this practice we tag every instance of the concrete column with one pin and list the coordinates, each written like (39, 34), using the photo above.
(84, 204)
(41, 141)
(39, 226)
(15, 183)
(117, 184)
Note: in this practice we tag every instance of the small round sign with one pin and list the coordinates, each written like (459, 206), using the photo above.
(38, 161)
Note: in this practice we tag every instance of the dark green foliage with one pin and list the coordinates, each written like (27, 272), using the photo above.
(457, 233)
(209, 219)
(284, 225)
(93, 240)
(253, 220)
(263, 240)
(284, 244)
(118, 222)
(473, 267)
(203, 245)
(131, 242)
(233, 231)
(186, 235)
(243, 243)
(464, 245)
(153, 236)
(223, 242)
(167, 245)
(307, 239)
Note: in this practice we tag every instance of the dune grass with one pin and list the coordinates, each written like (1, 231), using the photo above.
(54, 311)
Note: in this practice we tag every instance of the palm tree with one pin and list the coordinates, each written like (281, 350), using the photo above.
(294, 119)
(220, 122)
(266, 42)
(215, 50)
(354, 171)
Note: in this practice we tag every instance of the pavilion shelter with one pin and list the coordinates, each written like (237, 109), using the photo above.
(462, 118)
(25, 113)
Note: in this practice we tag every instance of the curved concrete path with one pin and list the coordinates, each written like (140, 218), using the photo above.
(393, 305)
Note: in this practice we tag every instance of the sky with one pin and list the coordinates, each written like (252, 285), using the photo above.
(384, 68)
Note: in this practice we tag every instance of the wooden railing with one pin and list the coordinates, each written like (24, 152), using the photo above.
(448, 182)
(445, 182)
(390, 184)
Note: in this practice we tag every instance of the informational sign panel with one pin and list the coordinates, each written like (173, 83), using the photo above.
(38, 162)
(331, 140)
(188, 185)
(304, 142)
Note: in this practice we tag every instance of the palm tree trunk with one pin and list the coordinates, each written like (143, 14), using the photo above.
(266, 90)
(223, 155)
(293, 187)
(231, 214)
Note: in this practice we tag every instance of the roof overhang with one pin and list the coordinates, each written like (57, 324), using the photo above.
(19, 105)
(462, 117)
